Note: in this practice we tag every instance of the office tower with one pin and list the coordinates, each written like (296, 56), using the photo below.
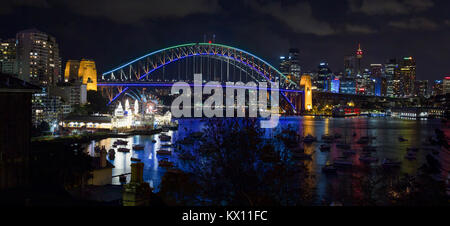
(376, 70)
(347, 85)
(87, 73)
(290, 65)
(38, 58)
(421, 88)
(407, 75)
(438, 88)
(324, 76)
(377, 74)
(392, 73)
(349, 66)
(8, 62)
(71, 71)
(335, 82)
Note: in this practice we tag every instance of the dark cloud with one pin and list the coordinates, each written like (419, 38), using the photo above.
(297, 16)
(415, 24)
(131, 11)
(359, 29)
(390, 7)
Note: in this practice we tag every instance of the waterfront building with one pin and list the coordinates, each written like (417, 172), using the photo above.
(87, 122)
(438, 88)
(38, 58)
(8, 62)
(15, 131)
(418, 112)
(446, 85)
(407, 76)
(73, 94)
(46, 108)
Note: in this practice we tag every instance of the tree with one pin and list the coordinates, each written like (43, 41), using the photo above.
(235, 165)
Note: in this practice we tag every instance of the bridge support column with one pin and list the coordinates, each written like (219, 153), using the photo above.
(306, 83)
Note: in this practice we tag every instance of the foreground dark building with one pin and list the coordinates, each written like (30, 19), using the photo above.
(15, 129)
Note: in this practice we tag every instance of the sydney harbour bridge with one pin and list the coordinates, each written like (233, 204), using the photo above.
(216, 62)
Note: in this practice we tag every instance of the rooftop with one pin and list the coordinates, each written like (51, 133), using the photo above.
(10, 83)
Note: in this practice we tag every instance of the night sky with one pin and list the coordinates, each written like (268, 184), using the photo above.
(114, 31)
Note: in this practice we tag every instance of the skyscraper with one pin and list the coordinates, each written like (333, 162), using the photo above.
(349, 66)
(438, 88)
(324, 76)
(407, 75)
(8, 62)
(392, 73)
(421, 88)
(290, 65)
(38, 58)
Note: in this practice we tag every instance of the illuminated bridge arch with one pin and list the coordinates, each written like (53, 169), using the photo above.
(142, 69)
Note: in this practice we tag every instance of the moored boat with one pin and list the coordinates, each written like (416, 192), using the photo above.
(163, 152)
(164, 137)
(165, 163)
(368, 159)
(329, 168)
(343, 146)
(342, 162)
(123, 150)
(325, 147)
(309, 138)
(387, 162)
(138, 147)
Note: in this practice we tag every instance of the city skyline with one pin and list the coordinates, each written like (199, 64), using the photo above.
(132, 36)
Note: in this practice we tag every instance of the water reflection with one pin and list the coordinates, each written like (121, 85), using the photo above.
(385, 132)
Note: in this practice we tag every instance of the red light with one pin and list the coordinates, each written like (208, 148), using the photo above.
(209, 42)
(447, 78)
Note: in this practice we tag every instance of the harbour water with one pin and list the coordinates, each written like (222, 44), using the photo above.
(385, 131)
